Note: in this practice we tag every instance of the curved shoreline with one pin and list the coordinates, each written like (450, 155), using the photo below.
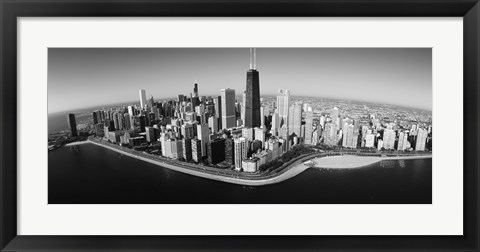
(290, 172)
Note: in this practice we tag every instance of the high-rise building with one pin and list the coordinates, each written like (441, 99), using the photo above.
(291, 114)
(143, 98)
(330, 134)
(216, 151)
(255, 146)
(217, 101)
(379, 144)
(295, 119)
(116, 123)
(282, 106)
(150, 134)
(99, 130)
(202, 133)
(174, 148)
(315, 136)
(248, 133)
(195, 89)
(308, 127)
(369, 140)
(196, 150)
(126, 121)
(241, 150)
(121, 122)
(151, 102)
(250, 165)
(389, 139)
(349, 137)
(322, 121)
(421, 139)
(181, 98)
(334, 116)
(228, 108)
(163, 143)
(401, 138)
(187, 149)
(273, 146)
(131, 111)
(252, 94)
(187, 131)
(72, 125)
(275, 124)
(143, 122)
(283, 133)
(95, 118)
(260, 135)
(229, 151)
(213, 123)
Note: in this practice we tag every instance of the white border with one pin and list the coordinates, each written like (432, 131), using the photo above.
(443, 217)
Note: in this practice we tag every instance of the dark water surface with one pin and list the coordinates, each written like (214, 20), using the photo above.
(89, 174)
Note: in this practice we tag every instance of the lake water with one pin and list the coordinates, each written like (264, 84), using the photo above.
(89, 174)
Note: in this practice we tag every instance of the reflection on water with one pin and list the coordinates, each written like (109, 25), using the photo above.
(94, 175)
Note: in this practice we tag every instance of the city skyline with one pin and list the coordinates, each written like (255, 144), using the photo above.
(251, 142)
(75, 66)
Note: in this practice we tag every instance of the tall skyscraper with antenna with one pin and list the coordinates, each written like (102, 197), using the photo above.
(195, 89)
(252, 93)
(195, 100)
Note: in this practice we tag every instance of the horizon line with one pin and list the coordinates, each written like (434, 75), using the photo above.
(173, 98)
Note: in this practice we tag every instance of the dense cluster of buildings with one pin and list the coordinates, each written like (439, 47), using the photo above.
(221, 131)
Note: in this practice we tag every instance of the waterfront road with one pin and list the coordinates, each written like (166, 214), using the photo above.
(289, 170)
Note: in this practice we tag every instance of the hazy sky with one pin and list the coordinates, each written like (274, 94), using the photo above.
(86, 77)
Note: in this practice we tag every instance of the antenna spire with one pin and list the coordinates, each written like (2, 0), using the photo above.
(251, 65)
(254, 58)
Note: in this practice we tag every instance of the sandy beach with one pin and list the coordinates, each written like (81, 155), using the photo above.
(77, 143)
(351, 161)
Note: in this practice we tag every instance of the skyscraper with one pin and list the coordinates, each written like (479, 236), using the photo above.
(195, 89)
(295, 118)
(389, 139)
(330, 133)
(248, 134)
(143, 98)
(196, 150)
(252, 94)
(260, 135)
(308, 127)
(334, 116)
(213, 124)
(402, 140)
(275, 124)
(282, 106)
(72, 124)
(216, 151)
(228, 108)
(241, 149)
(349, 137)
(95, 117)
(218, 110)
(203, 132)
(187, 149)
(421, 139)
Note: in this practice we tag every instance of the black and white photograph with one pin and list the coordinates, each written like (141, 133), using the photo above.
(239, 125)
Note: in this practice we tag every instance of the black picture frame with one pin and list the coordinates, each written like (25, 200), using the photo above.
(11, 9)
